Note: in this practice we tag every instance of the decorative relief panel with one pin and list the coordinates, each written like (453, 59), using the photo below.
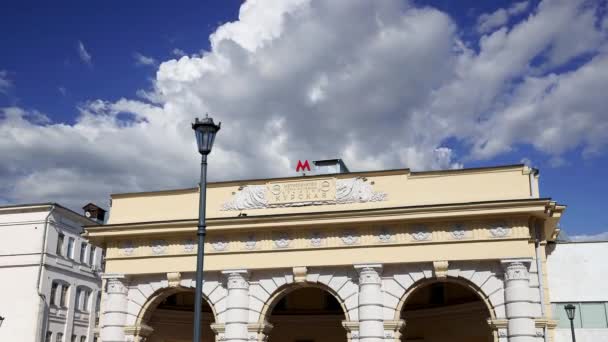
(127, 248)
(350, 237)
(282, 240)
(500, 229)
(220, 244)
(329, 191)
(421, 233)
(251, 242)
(316, 239)
(458, 231)
(189, 246)
(385, 235)
(159, 247)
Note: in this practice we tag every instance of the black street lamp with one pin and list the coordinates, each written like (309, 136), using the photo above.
(205, 131)
(571, 311)
(1, 320)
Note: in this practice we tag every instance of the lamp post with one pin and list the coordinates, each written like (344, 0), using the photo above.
(571, 311)
(1, 320)
(205, 131)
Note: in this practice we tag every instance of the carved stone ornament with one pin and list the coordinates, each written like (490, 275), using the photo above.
(500, 229)
(385, 235)
(349, 237)
(352, 190)
(219, 245)
(237, 280)
(421, 233)
(282, 240)
(189, 246)
(369, 274)
(251, 242)
(127, 248)
(159, 247)
(116, 285)
(174, 278)
(458, 231)
(316, 239)
(299, 274)
(516, 271)
(502, 332)
(441, 269)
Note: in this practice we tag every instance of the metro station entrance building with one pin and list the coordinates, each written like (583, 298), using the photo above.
(391, 255)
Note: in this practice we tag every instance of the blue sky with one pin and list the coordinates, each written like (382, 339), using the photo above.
(94, 91)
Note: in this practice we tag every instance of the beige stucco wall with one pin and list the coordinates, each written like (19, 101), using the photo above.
(402, 187)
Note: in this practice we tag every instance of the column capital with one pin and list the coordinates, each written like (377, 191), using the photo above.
(115, 282)
(236, 279)
(259, 331)
(369, 273)
(516, 268)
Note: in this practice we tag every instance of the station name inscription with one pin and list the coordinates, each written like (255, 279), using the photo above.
(317, 190)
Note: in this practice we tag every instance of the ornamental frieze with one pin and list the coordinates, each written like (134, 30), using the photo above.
(327, 191)
(326, 237)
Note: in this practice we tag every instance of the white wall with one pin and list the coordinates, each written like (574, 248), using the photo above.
(578, 273)
(27, 316)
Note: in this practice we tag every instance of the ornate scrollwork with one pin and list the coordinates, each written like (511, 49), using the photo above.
(316, 239)
(251, 242)
(421, 233)
(458, 231)
(350, 237)
(385, 235)
(189, 245)
(220, 245)
(127, 248)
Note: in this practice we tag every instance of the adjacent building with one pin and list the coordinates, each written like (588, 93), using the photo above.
(395, 255)
(50, 282)
(578, 275)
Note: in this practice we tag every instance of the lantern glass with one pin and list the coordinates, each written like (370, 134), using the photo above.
(570, 311)
(205, 131)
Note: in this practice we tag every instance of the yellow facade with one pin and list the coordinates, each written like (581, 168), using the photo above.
(393, 218)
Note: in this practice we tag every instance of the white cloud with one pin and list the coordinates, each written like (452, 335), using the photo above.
(490, 21)
(178, 52)
(5, 82)
(84, 55)
(381, 84)
(62, 90)
(143, 60)
(590, 237)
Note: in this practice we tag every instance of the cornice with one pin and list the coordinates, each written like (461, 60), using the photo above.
(537, 207)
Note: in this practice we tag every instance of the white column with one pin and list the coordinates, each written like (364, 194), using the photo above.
(371, 322)
(520, 326)
(115, 308)
(237, 306)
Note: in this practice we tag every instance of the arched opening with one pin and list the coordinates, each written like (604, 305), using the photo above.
(172, 318)
(307, 314)
(445, 311)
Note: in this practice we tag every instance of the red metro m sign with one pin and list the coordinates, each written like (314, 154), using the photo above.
(302, 166)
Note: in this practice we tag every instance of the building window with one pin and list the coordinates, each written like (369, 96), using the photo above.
(74, 338)
(588, 315)
(53, 293)
(85, 302)
(48, 337)
(59, 337)
(78, 299)
(92, 256)
(71, 248)
(83, 339)
(64, 295)
(60, 239)
(83, 252)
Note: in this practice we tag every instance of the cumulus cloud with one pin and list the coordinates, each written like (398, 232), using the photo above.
(489, 21)
(178, 52)
(381, 84)
(84, 55)
(5, 82)
(143, 60)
